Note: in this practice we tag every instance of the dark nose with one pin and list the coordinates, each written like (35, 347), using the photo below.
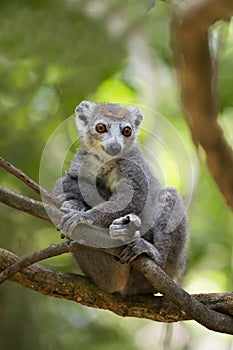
(113, 149)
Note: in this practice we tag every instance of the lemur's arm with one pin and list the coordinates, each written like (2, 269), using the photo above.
(103, 214)
(128, 199)
(67, 188)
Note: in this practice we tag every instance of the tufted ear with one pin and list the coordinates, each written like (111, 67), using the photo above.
(83, 112)
(136, 114)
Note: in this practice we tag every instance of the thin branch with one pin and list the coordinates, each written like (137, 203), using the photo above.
(197, 78)
(28, 205)
(29, 182)
(80, 289)
(52, 250)
(49, 213)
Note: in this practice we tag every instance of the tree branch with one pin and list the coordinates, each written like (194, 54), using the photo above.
(28, 205)
(29, 182)
(161, 281)
(50, 213)
(52, 250)
(154, 274)
(197, 78)
(80, 289)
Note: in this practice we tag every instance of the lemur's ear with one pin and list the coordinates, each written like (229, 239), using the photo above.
(137, 115)
(83, 113)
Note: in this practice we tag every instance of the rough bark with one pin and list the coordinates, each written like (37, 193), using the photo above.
(80, 289)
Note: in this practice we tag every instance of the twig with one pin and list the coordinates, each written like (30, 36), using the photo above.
(52, 250)
(29, 182)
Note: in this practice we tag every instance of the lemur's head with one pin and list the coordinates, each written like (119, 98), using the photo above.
(108, 128)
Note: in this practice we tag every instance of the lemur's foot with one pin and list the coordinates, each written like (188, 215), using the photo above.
(139, 246)
(125, 228)
(70, 220)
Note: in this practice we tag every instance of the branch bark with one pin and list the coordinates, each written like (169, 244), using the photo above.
(28, 205)
(154, 274)
(197, 78)
(28, 181)
(80, 289)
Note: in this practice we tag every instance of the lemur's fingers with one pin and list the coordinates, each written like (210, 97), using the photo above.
(71, 219)
(65, 219)
(125, 228)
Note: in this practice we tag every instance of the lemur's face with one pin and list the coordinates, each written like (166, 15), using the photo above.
(107, 128)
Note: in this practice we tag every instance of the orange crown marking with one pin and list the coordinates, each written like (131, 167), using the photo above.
(120, 114)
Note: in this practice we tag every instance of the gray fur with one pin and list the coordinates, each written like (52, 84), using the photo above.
(120, 194)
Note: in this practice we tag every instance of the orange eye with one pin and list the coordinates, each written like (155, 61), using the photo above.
(101, 128)
(127, 131)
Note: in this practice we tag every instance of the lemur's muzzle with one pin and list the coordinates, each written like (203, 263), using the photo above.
(113, 148)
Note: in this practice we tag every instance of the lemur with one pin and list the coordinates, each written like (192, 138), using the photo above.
(110, 188)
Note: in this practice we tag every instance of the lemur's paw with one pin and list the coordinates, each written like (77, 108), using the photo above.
(125, 228)
(139, 246)
(70, 220)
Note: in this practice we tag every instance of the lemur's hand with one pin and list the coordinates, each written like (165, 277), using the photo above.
(71, 219)
(125, 228)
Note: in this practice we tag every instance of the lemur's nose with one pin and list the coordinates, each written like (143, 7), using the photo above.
(113, 149)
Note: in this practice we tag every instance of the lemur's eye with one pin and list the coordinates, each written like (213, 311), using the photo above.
(127, 131)
(100, 128)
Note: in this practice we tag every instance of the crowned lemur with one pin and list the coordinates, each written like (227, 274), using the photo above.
(110, 188)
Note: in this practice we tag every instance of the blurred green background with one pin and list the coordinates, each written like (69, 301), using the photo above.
(53, 54)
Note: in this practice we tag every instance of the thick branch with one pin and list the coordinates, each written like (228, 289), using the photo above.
(154, 274)
(80, 289)
(197, 77)
(162, 282)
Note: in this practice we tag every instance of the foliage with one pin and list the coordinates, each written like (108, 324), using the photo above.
(53, 55)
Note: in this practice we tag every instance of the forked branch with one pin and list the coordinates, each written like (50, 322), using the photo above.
(155, 275)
